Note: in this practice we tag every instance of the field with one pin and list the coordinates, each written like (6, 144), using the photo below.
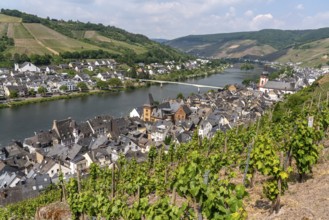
(20, 32)
(235, 49)
(24, 41)
(312, 54)
(56, 41)
(9, 19)
(28, 46)
(93, 35)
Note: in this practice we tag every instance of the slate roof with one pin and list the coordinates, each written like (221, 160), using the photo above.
(149, 100)
(65, 128)
(280, 85)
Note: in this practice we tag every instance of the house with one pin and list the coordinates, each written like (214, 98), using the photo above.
(19, 90)
(266, 86)
(136, 112)
(25, 67)
(10, 179)
(183, 137)
(42, 139)
(160, 130)
(66, 131)
(100, 125)
(205, 129)
(104, 76)
(51, 167)
(37, 181)
(182, 113)
(82, 77)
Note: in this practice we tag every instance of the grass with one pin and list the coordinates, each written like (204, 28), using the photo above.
(20, 32)
(56, 41)
(93, 35)
(28, 46)
(9, 19)
(78, 34)
(311, 54)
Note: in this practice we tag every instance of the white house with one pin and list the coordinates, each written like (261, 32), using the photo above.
(26, 66)
(204, 129)
(136, 112)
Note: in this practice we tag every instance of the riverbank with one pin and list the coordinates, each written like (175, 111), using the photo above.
(33, 100)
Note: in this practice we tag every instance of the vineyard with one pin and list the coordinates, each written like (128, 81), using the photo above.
(206, 178)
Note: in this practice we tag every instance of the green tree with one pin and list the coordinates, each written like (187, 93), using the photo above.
(129, 84)
(102, 84)
(63, 88)
(180, 96)
(32, 92)
(13, 94)
(115, 82)
(42, 90)
(82, 86)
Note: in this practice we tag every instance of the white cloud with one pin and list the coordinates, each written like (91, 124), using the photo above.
(175, 18)
(249, 13)
(300, 7)
(264, 21)
(316, 21)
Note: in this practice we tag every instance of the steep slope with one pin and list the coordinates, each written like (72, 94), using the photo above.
(312, 54)
(269, 43)
(35, 35)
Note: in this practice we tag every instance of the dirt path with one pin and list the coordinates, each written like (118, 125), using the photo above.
(308, 200)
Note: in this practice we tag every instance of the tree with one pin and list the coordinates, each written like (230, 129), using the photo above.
(13, 94)
(180, 96)
(102, 85)
(42, 90)
(32, 92)
(129, 84)
(115, 82)
(63, 88)
(82, 86)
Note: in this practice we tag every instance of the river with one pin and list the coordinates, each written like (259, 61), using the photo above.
(21, 122)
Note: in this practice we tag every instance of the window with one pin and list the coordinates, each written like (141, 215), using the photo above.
(34, 188)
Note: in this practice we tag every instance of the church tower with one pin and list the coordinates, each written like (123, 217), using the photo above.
(148, 107)
(263, 79)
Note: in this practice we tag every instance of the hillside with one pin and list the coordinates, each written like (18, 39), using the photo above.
(282, 45)
(35, 35)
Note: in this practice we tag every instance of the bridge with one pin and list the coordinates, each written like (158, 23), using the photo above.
(181, 83)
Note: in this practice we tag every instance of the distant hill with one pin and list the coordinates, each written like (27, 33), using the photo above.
(285, 45)
(160, 40)
(35, 35)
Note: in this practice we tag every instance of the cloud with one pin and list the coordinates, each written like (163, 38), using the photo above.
(316, 21)
(300, 7)
(261, 19)
(264, 21)
(249, 13)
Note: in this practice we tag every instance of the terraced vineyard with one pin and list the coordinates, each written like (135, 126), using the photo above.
(312, 54)
(56, 41)
(94, 35)
(77, 40)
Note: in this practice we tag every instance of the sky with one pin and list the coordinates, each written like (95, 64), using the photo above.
(169, 19)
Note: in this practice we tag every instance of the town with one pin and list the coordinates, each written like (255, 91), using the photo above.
(70, 147)
(28, 80)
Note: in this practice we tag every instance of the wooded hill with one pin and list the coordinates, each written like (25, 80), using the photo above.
(34, 35)
(309, 46)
